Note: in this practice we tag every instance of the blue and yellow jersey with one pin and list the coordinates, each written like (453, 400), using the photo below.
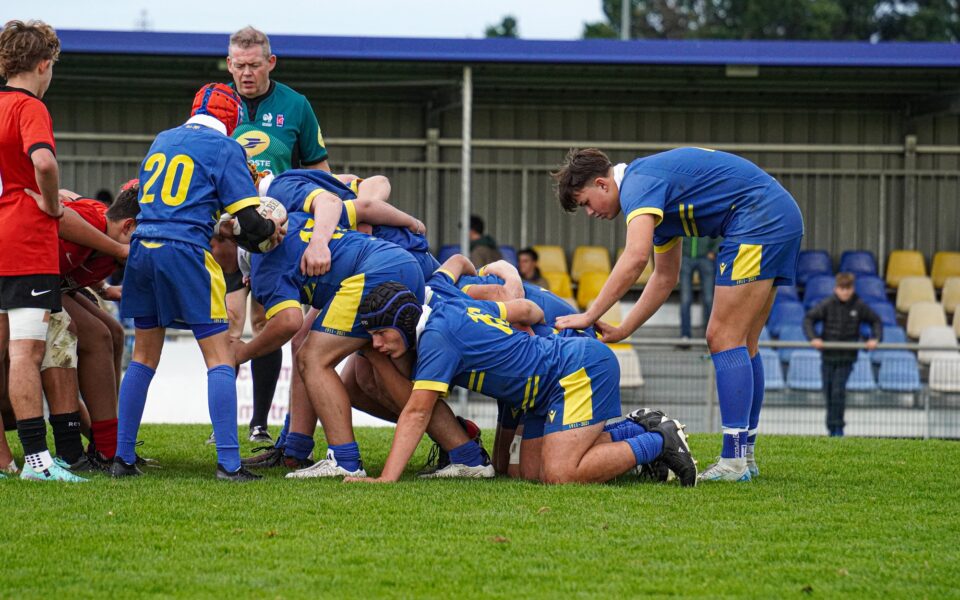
(553, 306)
(297, 188)
(696, 192)
(190, 175)
(443, 287)
(467, 343)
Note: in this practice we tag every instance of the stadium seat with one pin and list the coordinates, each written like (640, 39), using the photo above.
(630, 373)
(790, 333)
(886, 312)
(858, 262)
(559, 283)
(803, 372)
(945, 264)
(509, 254)
(772, 371)
(589, 288)
(904, 263)
(870, 288)
(899, 372)
(892, 334)
(647, 271)
(932, 337)
(818, 288)
(765, 334)
(811, 263)
(945, 373)
(861, 377)
(923, 315)
(784, 313)
(551, 259)
(913, 290)
(589, 259)
(950, 296)
(614, 315)
(447, 251)
(787, 293)
(956, 323)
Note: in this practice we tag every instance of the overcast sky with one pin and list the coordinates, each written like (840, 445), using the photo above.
(538, 19)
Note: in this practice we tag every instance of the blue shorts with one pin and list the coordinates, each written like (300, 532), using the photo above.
(742, 263)
(508, 417)
(588, 393)
(338, 312)
(174, 284)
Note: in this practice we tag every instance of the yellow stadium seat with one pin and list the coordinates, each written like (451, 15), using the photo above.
(552, 259)
(589, 258)
(950, 297)
(904, 263)
(614, 316)
(559, 283)
(647, 271)
(945, 264)
(956, 323)
(913, 290)
(630, 372)
(923, 315)
(589, 288)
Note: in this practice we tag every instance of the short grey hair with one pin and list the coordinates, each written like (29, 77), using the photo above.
(248, 36)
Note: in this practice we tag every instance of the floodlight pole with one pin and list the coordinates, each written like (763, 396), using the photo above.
(465, 158)
(625, 19)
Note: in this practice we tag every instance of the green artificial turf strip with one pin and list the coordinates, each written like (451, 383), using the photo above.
(828, 517)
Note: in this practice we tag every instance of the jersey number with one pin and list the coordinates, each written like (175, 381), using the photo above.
(175, 175)
(307, 232)
(481, 317)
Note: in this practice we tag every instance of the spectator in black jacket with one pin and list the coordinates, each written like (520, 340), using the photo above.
(841, 315)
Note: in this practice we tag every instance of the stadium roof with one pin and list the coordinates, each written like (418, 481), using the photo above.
(599, 52)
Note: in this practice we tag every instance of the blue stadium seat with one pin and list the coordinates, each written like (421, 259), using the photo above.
(871, 288)
(787, 293)
(811, 263)
(790, 333)
(860, 262)
(818, 288)
(509, 254)
(886, 311)
(772, 371)
(892, 334)
(447, 251)
(861, 378)
(784, 313)
(803, 372)
(765, 335)
(899, 372)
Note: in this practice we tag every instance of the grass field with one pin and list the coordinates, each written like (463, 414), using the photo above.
(828, 517)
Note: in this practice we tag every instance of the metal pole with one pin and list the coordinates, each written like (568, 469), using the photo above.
(432, 190)
(625, 19)
(466, 152)
(524, 207)
(882, 251)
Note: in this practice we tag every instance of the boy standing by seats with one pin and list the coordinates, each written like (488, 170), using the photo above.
(841, 315)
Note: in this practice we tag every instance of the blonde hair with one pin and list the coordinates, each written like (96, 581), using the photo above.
(24, 45)
(248, 37)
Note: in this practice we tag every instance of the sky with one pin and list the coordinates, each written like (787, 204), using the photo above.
(537, 19)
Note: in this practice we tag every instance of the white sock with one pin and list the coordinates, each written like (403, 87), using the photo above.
(41, 461)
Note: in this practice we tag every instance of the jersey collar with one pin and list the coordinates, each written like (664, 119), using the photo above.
(207, 121)
(422, 323)
(7, 88)
(618, 171)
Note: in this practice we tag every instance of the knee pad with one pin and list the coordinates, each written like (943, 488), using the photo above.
(28, 323)
(515, 449)
(61, 350)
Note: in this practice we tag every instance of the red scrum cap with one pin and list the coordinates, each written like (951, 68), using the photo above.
(221, 102)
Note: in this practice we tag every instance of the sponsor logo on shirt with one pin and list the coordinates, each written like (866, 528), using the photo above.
(268, 119)
(280, 120)
(254, 142)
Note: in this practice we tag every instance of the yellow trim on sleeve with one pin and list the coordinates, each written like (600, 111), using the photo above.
(448, 274)
(433, 386)
(308, 201)
(646, 211)
(666, 247)
(351, 207)
(355, 185)
(273, 310)
(503, 310)
(482, 272)
(466, 287)
(242, 204)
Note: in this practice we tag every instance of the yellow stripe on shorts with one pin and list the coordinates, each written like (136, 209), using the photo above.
(218, 287)
(577, 397)
(343, 309)
(747, 263)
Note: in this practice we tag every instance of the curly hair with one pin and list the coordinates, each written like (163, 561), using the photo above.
(579, 167)
(24, 45)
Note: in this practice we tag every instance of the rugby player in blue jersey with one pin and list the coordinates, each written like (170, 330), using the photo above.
(696, 192)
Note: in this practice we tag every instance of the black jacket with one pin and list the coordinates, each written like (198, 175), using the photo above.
(841, 323)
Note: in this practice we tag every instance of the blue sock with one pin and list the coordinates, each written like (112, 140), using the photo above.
(347, 455)
(282, 438)
(624, 430)
(646, 446)
(735, 393)
(222, 403)
(133, 397)
(757, 403)
(298, 445)
(468, 454)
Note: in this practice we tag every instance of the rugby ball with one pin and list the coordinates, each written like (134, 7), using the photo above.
(269, 208)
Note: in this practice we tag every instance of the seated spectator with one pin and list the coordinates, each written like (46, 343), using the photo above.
(529, 270)
(841, 315)
(483, 248)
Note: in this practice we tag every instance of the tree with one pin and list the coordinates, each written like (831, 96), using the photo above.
(506, 29)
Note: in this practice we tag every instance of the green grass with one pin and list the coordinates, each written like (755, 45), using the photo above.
(827, 518)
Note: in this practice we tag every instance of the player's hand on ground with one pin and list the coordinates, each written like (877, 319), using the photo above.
(315, 260)
(364, 480)
(41, 203)
(418, 227)
(578, 321)
(608, 333)
(817, 343)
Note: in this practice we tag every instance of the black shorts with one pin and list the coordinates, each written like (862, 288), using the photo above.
(234, 281)
(30, 291)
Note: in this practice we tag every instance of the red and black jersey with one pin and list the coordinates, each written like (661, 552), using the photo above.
(28, 236)
(81, 266)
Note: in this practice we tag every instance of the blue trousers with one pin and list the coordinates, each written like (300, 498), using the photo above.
(705, 267)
